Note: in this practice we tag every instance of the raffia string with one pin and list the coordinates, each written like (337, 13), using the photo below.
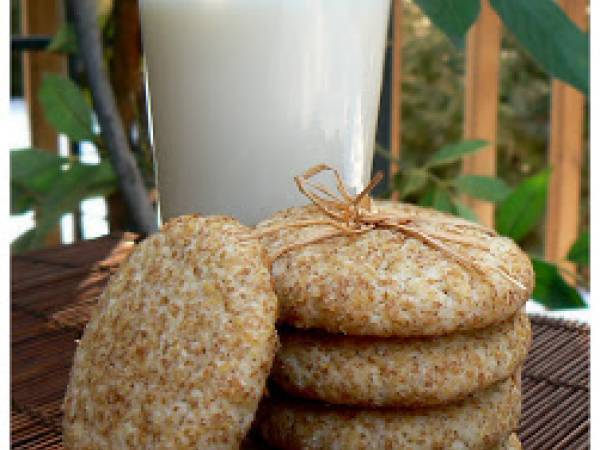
(349, 215)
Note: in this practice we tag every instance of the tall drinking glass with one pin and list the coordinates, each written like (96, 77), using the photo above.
(245, 94)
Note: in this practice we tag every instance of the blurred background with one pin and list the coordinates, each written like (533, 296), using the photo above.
(505, 102)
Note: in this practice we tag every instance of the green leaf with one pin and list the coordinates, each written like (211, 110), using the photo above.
(520, 212)
(484, 188)
(552, 290)
(36, 237)
(554, 41)
(426, 199)
(580, 251)
(32, 172)
(453, 17)
(410, 182)
(26, 241)
(28, 162)
(21, 200)
(442, 200)
(53, 186)
(464, 211)
(77, 183)
(65, 108)
(64, 41)
(455, 152)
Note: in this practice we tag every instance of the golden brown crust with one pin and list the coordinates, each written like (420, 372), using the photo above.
(383, 283)
(178, 351)
(480, 422)
(511, 443)
(373, 371)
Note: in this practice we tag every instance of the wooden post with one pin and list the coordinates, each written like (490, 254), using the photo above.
(41, 17)
(565, 154)
(481, 99)
(396, 101)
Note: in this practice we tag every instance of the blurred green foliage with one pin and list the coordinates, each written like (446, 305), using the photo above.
(49, 184)
(430, 185)
(432, 108)
(432, 116)
(52, 186)
(550, 37)
(518, 211)
(453, 17)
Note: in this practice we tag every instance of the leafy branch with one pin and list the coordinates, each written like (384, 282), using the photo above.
(51, 185)
(540, 26)
(518, 210)
(427, 186)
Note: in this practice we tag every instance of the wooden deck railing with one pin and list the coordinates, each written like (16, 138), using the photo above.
(480, 122)
(41, 18)
(482, 76)
(565, 153)
(480, 113)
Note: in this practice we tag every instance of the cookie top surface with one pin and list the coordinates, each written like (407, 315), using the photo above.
(178, 351)
(480, 422)
(387, 371)
(386, 283)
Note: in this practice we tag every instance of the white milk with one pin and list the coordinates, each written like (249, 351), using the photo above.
(245, 94)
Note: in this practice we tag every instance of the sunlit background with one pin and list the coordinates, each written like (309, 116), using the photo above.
(432, 109)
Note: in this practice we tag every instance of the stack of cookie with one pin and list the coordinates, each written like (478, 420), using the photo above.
(389, 342)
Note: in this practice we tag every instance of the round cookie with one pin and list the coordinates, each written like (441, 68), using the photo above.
(375, 371)
(480, 422)
(180, 346)
(384, 283)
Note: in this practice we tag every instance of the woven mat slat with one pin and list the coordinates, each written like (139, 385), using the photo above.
(557, 353)
(28, 432)
(29, 326)
(108, 250)
(53, 292)
(551, 408)
(23, 272)
(55, 296)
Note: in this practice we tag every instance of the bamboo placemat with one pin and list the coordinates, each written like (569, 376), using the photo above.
(53, 292)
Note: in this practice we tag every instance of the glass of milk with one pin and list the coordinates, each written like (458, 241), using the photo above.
(246, 94)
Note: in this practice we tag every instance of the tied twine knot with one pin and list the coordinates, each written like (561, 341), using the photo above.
(352, 215)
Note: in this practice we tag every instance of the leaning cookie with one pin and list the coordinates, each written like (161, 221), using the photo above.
(179, 349)
(480, 422)
(373, 371)
(386, 283)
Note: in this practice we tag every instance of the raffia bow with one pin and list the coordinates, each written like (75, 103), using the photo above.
(349, 215)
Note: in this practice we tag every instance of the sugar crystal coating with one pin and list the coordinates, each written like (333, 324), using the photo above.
(388, 371)
(177, 353)
(480, 422)
(512, 443)
(384, 283)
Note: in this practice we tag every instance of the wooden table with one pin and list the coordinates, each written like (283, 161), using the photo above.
(53, 292)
